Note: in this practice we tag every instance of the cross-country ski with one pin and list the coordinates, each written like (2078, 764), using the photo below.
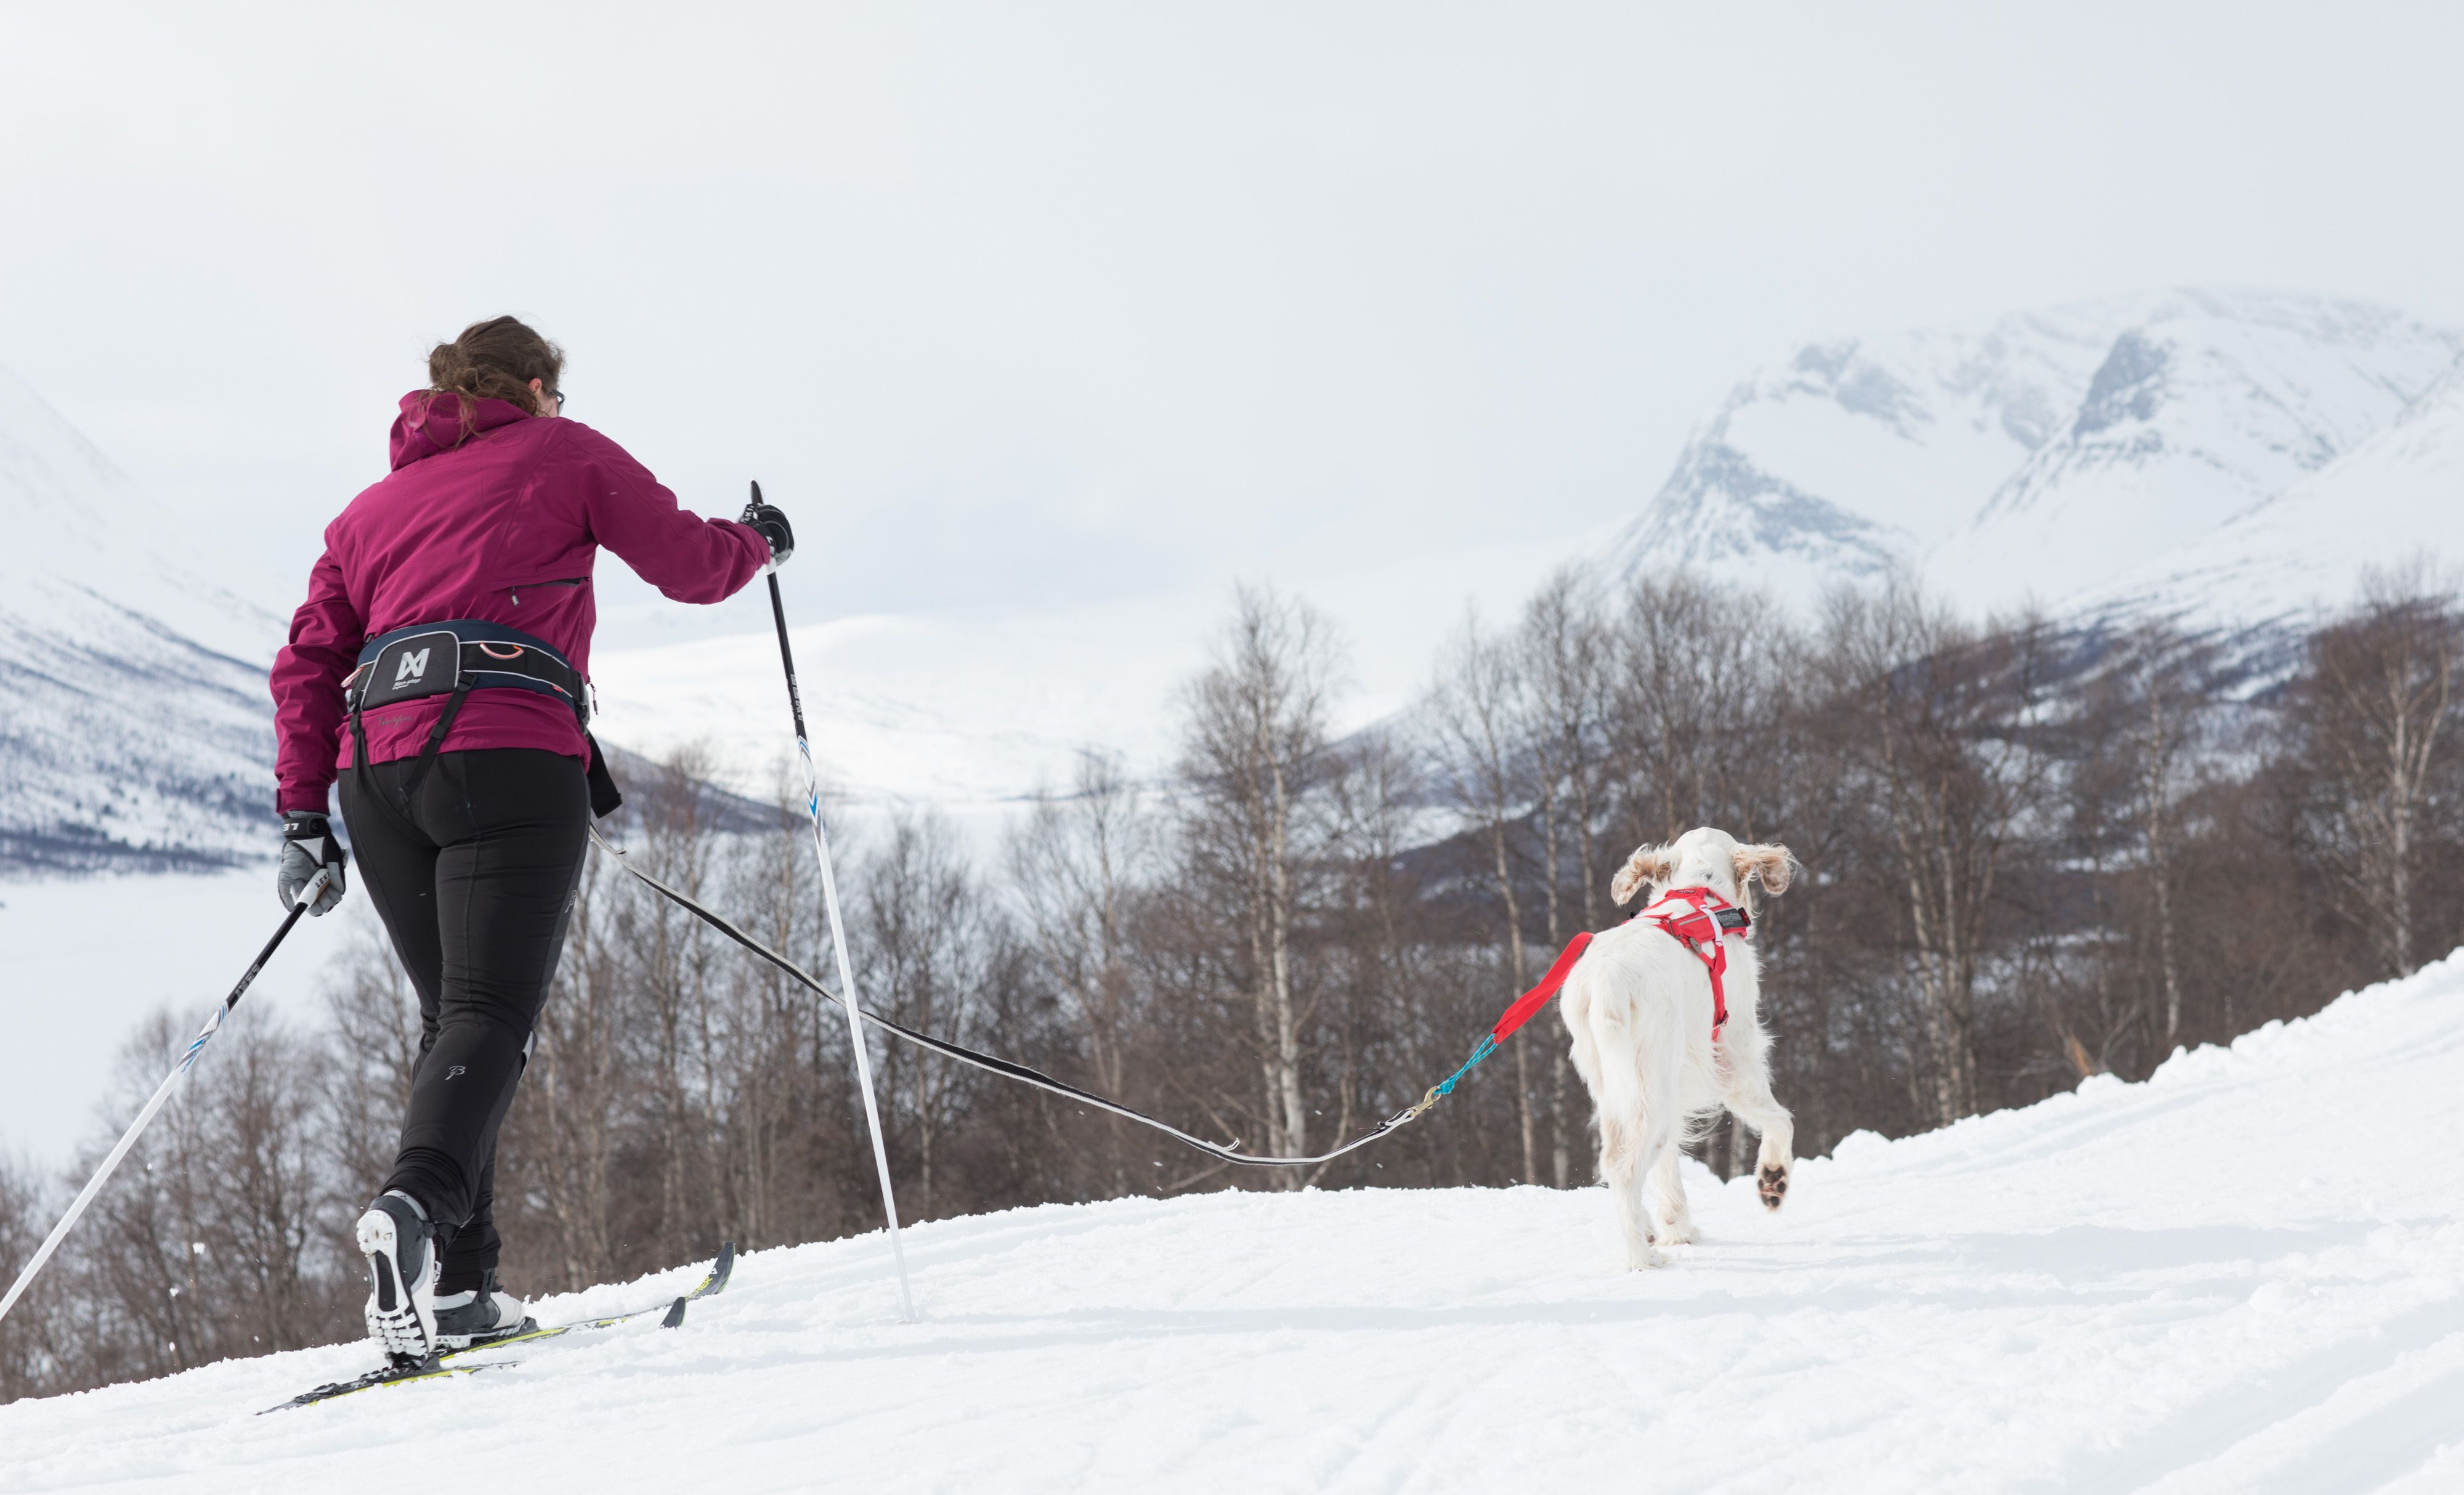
(459, 1362)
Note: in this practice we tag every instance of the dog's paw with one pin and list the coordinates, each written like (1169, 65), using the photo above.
(1771, 1183)
(1673, 1232)
(1646, 1260)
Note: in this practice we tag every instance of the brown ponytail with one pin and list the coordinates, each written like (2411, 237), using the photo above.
(495, 360)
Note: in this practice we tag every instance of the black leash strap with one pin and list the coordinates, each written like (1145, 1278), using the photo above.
(992, 1064)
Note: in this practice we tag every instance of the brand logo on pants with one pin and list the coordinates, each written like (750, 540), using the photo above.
(455, 1072)
(413, 666)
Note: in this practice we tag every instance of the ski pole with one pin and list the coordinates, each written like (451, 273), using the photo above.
(838, 942)
(161, 1094)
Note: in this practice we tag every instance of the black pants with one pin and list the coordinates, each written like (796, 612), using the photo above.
(475, 884)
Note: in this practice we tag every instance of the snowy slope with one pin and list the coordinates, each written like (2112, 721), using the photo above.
(2243, 1275)
(2303, 552)
(2035, 455)
(137, 731)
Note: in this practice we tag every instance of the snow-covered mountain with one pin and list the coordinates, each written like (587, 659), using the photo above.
(2190, 1284)
(135, 729)
(2040, 456)
(2395, 499)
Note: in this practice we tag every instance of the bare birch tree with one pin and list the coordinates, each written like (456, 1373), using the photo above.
(1076, 867)
(1484, 774)
(2375, 715)
(1950, 746)
(1566, 655)
(1254, 756)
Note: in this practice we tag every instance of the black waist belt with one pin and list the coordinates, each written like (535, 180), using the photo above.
(454, 658)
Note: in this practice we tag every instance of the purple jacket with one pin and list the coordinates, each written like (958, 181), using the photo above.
(502, 526)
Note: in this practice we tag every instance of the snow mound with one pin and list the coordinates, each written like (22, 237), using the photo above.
(2240, 1275)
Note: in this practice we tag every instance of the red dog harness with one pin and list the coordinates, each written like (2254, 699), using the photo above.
(1696, 917)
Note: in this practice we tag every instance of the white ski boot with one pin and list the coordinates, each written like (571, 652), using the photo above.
(401, 1249)
(480, 1315)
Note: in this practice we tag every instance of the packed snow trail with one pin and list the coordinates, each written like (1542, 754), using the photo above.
(2243, 1275)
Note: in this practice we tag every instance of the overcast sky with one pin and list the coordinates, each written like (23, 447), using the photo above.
(1014, 305)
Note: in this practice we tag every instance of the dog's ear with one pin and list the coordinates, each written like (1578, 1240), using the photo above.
(1647, 864)
(1770, 862)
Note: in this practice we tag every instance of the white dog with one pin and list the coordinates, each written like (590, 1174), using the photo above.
(1641, 1008)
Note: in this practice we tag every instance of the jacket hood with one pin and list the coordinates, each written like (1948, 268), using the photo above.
(432, 421)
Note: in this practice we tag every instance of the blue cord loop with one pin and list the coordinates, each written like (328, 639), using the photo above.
(1447, 1086)
(1488, 1046)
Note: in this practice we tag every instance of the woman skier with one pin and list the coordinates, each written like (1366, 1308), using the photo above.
(439, 667)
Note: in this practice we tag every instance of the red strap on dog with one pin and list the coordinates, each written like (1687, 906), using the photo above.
(1537, 998)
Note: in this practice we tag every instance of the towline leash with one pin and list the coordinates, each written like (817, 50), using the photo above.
(1698, 926)
(991, 1064)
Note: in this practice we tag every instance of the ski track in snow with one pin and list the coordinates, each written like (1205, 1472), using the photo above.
(2240, 1276)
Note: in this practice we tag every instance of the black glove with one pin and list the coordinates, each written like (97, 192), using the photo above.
(772, 525)
(308, 846)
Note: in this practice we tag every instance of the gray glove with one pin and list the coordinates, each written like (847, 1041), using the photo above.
(308, 847)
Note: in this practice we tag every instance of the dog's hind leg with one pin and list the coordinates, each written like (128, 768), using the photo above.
(1622, 1140)
(1626, 1133)
(1750, 1097)
(1663, 1076)
(1671, 1220)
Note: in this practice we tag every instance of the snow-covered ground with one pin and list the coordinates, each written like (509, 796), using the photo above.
(2242, 1275)
(85, 960)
